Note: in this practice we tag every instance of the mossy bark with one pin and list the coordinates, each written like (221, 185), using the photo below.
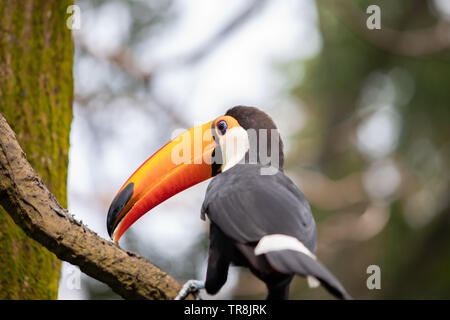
(36, 92)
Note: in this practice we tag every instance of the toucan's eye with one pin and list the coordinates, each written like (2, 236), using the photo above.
(222, 127)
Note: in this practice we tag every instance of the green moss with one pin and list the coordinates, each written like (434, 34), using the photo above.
(36, 92)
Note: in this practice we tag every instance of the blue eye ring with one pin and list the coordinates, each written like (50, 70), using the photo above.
(222, 127)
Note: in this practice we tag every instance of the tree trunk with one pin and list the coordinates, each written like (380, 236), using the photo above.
(36, 91)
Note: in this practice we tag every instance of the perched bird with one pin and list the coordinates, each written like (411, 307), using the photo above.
(259, 218)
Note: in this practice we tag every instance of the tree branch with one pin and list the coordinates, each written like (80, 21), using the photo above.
(25, 197)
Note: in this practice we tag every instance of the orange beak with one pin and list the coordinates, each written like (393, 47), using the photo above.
(183, 162)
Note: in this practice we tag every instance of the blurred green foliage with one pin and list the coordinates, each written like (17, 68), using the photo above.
(346, 84)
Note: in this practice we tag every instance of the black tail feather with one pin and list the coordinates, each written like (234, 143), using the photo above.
(294, 262)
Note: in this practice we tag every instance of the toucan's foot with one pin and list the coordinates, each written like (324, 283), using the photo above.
(192, 286)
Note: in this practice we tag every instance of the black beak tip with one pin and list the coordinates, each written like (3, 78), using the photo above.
(116, 207)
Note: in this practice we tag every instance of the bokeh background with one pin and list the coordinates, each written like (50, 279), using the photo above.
(364, 115)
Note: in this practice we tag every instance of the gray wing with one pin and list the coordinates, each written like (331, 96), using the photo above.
(247, 206)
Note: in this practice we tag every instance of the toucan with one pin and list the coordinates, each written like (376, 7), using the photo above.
(259, 218)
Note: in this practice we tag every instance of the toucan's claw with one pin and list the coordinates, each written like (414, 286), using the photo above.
(192, 286)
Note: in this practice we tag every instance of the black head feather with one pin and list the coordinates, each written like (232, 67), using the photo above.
(254, 118)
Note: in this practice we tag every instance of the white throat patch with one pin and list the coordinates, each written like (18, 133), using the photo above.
(234, 144)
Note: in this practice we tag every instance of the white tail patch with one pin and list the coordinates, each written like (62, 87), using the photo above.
(312, 282)
(277, 242)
